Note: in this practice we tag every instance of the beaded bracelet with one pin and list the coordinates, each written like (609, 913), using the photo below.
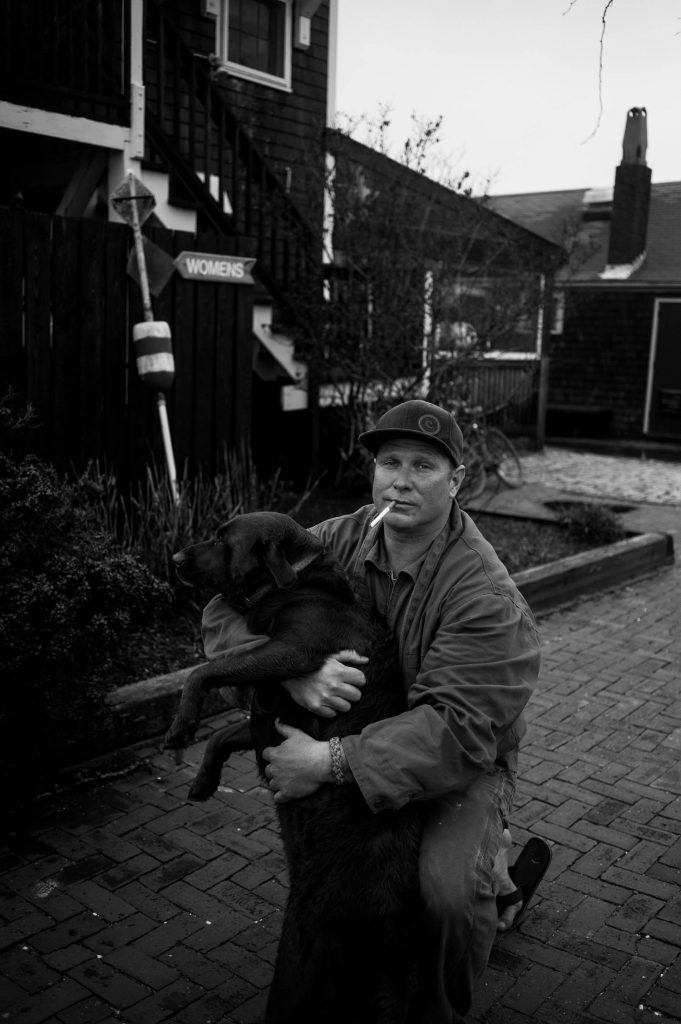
(337, 760)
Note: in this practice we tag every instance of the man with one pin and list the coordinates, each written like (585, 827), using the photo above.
(469, 655)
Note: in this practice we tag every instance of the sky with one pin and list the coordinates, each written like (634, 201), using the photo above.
(517, 84)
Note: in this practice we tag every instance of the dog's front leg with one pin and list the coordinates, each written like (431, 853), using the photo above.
(273, 662)
(186, 721)
(225, 742)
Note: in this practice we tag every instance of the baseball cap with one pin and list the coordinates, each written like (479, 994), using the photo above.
(418, 421)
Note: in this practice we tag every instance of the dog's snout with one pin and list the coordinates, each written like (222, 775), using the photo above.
(179, 557)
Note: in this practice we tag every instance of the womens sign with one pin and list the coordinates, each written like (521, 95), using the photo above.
(210, 266)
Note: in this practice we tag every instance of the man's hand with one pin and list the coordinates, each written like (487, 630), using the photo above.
(333, 688)
(298, 766)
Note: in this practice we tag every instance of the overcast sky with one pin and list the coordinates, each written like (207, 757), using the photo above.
(517, 83)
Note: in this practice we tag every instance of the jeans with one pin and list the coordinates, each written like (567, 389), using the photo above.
(461, 838)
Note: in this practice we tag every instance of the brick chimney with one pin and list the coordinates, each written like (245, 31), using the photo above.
(631, 199)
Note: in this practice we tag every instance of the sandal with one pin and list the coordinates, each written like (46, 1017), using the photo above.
(527, 872)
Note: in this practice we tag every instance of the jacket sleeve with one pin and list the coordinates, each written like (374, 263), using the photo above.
(223, 629)
(473, 683)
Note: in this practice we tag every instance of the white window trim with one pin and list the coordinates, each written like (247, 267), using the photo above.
(251, 74)
(558, 312)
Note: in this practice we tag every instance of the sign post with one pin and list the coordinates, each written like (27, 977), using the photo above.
(133, 202)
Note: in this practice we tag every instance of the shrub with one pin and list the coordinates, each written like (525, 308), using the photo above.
(69, 595)
(596, 524)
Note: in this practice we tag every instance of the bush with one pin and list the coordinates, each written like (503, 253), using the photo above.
(69, 596)
(596, 524)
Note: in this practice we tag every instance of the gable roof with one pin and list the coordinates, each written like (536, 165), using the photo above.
(447, 211)
(568, 215)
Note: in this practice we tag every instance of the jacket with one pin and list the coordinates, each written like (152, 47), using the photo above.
(469, 653)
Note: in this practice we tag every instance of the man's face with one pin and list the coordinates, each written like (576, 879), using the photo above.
(420, 479)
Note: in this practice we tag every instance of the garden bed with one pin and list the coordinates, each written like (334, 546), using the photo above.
(522, 544)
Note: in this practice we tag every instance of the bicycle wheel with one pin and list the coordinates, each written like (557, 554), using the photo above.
(504, 458)
(475, 480)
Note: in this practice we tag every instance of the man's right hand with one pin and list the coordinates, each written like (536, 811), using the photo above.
(333, 688)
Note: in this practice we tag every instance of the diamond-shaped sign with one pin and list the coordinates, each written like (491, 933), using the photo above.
(159, 266)
(130, 192)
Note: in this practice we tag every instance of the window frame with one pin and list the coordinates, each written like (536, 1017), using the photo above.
(282, 83)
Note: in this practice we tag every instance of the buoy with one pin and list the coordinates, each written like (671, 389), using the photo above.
(154, 353)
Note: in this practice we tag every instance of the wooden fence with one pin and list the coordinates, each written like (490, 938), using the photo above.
(67, 307)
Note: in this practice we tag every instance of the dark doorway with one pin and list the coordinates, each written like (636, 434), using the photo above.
(663, 411)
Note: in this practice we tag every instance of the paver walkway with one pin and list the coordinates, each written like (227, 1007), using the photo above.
(121, 902)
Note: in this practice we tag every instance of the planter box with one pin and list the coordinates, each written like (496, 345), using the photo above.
(547, 586)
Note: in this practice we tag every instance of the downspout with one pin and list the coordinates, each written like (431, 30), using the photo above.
(136, 80)
(332, 72)
(327, 236)
(120, 161)
(544, 331)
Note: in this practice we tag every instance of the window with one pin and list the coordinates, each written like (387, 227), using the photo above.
(255, 40)
(487, 316)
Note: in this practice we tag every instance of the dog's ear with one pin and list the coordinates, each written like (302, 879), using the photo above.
(278, 565)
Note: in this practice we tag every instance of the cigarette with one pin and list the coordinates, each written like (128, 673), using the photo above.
(381, 515)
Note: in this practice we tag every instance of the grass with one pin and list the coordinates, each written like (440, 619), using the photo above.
(520, 543)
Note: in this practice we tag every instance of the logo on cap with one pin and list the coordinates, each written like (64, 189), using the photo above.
(429, 424)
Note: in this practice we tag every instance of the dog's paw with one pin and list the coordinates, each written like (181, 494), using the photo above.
(179, 735)
(204, 785)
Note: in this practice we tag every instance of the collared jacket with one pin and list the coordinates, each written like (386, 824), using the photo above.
(469, 653)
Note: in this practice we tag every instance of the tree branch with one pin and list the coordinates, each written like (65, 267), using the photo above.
(604, 18)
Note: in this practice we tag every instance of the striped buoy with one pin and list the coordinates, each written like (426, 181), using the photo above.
(154, 353)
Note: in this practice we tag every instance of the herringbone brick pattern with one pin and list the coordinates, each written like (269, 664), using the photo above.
(600, 780)
(122, 902)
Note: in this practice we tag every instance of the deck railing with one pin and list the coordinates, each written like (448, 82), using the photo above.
(67, 56)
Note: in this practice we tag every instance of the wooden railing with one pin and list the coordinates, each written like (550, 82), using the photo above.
(193, 132)
(68, 56)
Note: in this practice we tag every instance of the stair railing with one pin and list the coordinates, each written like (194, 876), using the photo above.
(195, 133)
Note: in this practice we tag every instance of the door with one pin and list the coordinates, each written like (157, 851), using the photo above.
(663, 400)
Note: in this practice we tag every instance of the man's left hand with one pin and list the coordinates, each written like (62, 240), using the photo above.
(298, 766)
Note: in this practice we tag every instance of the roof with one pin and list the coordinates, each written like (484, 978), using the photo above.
(449, 209)
(558, 216)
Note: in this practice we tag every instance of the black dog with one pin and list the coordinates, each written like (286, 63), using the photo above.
(346, 946)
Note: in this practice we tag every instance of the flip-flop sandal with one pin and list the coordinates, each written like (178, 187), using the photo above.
(527, 873)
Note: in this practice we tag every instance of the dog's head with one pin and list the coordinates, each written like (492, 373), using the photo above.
(252, 551)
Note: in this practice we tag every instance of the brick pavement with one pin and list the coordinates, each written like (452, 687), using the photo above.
(590, 474)
(121, 902)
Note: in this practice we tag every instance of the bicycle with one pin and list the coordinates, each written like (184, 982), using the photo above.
(487, 449)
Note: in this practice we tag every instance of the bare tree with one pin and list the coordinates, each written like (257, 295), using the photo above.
(421, 280)
(604, 18)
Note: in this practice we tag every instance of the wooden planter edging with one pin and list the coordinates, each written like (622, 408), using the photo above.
(546, 587)
(144, 710)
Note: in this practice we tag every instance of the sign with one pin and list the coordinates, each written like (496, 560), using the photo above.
(132, 193)
(211, 266)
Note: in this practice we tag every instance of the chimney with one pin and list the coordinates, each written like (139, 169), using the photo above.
(631, 199)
